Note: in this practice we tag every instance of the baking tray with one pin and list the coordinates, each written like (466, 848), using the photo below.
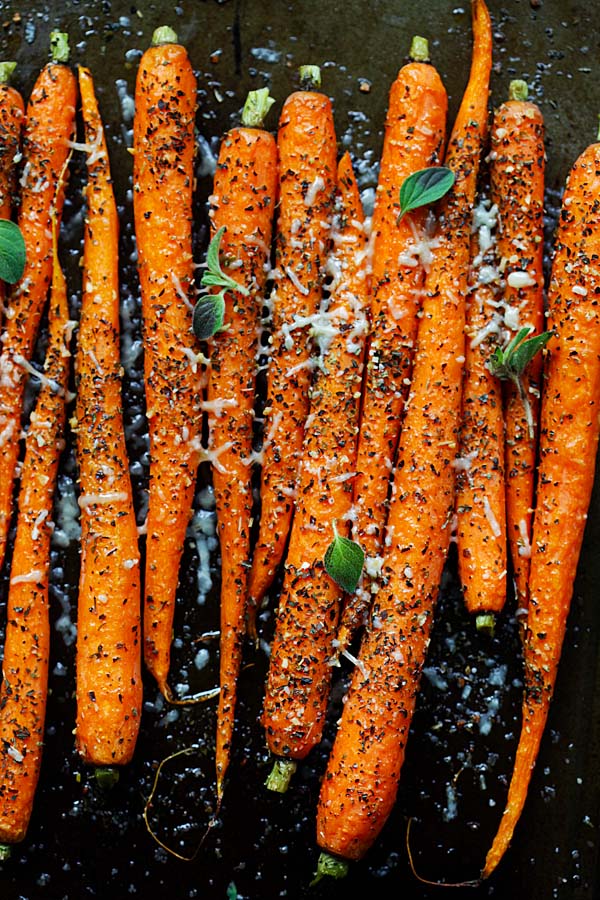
(83, 842)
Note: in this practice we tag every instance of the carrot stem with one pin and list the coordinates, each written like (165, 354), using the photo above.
(106, 777)
(5, 852)
(518, 90)
(164, 35)
(486, 624)
(419, 49)
(310, 78)
(330, 866)
(6, 71)
(257, 105)
(281, 775)
(59, 46)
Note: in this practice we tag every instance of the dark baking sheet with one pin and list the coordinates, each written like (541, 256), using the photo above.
(86, 843)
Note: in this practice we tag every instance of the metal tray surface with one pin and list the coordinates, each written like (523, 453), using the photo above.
(84, 842)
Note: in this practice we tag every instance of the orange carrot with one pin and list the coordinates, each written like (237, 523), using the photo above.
(243, 203)
(109, 684)
(414, 137)
(299, 676)
(361, 781)
(11, 123)
(163, 151)
(307, 165)
(517, 187)
(480, 488)
(27, 643)
(568, 444)
(47, 132)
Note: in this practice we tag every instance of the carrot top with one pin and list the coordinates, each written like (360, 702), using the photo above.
(6, 71)
(59, 46)
(257, 105)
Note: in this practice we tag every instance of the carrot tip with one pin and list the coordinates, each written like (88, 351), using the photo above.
(281, 775)
(518, 90)
(6, 71)
(106, 777)
(419, 49)
(485, 623)
(5, 852)
(164, 35)
(257, 105)
(331, 866)
(59, 46)
(310, 77)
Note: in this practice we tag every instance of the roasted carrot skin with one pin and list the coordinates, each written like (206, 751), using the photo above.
(27, 643)
(308, 166)
(12, 113)
(109, 684)
(517, 187)
(480, 482)
(243, 201)
(568, 447)
(300, 668)
(48, 128)
(361, 780)
(415, 129)
(165, 102)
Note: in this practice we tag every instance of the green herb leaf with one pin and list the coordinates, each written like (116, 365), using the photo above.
(232, 891)
(424, 187)
(214, 276)
(12, 251)
(209, 313)
(510, 363)
(344, 561)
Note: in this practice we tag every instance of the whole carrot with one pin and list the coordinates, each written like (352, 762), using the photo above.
(243, 204)
(11, 122)
(361, 781)
(26, 648)
(415, 129)
(307, 166)
(517, 188)
(48, 129)
(109, 684)
(163, 152)
(299, 675)
(568, 444)
(480, 487)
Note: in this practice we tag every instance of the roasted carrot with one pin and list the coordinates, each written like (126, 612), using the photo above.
(109, 684)
(480, 483)
(299, 675)
(242, 202)
(568, 443)
(48, 129)
(11, 122)
(307, 166)
(163, 152)
(361, 781)
(414, 137)
(517, 188)
(26, 647)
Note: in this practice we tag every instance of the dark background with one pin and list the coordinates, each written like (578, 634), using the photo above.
(86, 843)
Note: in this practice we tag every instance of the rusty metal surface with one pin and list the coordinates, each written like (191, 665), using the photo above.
(86, 843)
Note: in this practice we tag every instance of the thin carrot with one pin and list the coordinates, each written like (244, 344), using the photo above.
(27, 643)
(48, 129)
(414, 138)
(517, 188)
(361, 781)
(568, 444)
(243, 202)
(300, 668)
(307, 165)
(163, 151)
(109, 684)
(480, 483)
(11, 122)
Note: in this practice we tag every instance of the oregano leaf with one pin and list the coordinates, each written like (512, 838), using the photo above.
(344, 560)
(424, 187)
(12, 252)
(209, 313)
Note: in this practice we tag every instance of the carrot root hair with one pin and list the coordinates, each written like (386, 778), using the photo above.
(449, 884)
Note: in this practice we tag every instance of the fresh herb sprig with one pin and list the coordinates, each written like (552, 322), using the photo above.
(344, 560)
(424, 187)
(12, 252)
(510, 362)
(209, 312)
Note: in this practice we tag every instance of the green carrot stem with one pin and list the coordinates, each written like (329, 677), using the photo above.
(6, 71)
(419, 49)
(518, 90)
(59, 46)
(310, 77)
(331, 866)
(281, 775)
(164, 34)
(257, 105)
